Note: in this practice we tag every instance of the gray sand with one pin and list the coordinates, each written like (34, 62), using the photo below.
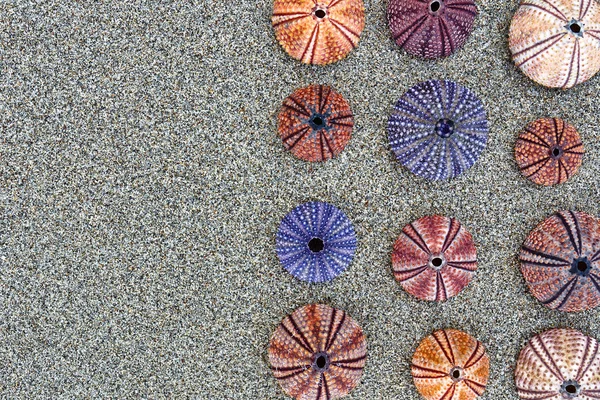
(142, 184)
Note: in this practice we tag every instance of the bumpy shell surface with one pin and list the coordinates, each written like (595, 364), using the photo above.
(450, 365)
(549, 151)
(556, 42)
(318, 353)
(316, 31)
(315, 242)
(431, 29)
(315, 123)
(434, 258)
(560, 261)
(438, 129)
(559, 364)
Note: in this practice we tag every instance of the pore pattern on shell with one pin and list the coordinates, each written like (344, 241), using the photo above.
(560, 261)
(559, 364)
(315, 242)
(434, 258)
(315, 123)
(316, 31)
(438, 129)
(450, 365)
(549, 151)
(431, 29)
(318, 353)
(556, 42)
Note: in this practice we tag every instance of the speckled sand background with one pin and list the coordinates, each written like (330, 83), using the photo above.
(142, 184)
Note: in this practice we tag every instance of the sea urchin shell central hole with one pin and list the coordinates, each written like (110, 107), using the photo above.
(581, 266)
(444, 127)
(316, 244)
(571, 389)
(434, 6)
(575, 28)
(321, 361)
(320, 14)
(556, 152)
(456, 374)
(436, 261)
(318, 120)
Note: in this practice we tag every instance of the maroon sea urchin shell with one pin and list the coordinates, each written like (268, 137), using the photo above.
(318, 353)
(433, 28)
(434, 258)
(559, 364)
(560, 261)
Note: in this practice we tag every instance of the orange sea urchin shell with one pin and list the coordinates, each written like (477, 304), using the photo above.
(560, 260)
(450, 365)
(318, 353)
(549, 151)
(315, 123)
(559, 364)
(434, 258)
(556, 42)
(318, 31)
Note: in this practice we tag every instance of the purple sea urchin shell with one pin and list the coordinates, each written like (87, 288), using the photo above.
(438, 129)
(315, 242)
(433, 28)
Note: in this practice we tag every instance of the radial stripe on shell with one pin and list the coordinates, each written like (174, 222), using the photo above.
(560, 261)
(317, 31)
(438, 129)
(434, 258)
(318, 353)
(450, 365)
(559, 364)
(556, 42)
(315, 123)
(433, 28)
(549, 151)
(315, 242)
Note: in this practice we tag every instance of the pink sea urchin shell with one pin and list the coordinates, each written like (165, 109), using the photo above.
(559, 364)
(434, 258)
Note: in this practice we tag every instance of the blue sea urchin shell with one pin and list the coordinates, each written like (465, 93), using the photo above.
(438, 129)
(315, 242)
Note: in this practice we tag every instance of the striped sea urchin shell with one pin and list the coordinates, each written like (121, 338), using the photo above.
(433, 28)
(450, 365)
(438, 129)
(549, 151)
(317, 31)
(318, 353)
(434, 258)
(556, 42)
(315, 242)
(559, 364)
(315, 123)
(560, 261)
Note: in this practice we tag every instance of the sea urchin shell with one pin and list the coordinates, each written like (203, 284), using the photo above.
(559, 364)
(315, 242)
(434, 258)
(432, 28)
(318, 353)
(560, 261)
(549, 151)
(318, 31)
(450, 365)
(438, 129)
(315, 123)
(556, 42)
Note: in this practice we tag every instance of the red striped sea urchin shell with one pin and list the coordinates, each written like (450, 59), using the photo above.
(431, 28)
(450, 365)
(318, 353)
(559, 364)
(434, 258)
(318, 31)
(560, 261)
(549, 151)
(556, 42)
(315, 123)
